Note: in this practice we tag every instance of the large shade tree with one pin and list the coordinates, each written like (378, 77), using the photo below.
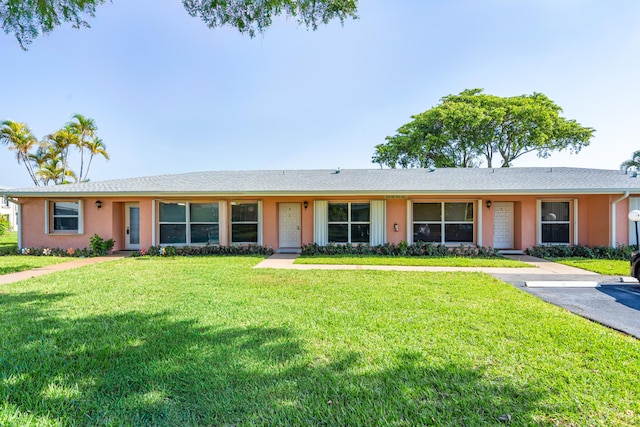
(27, 19)
(472, 128)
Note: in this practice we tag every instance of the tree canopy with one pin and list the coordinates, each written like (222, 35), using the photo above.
(472, 127)
(27, 19)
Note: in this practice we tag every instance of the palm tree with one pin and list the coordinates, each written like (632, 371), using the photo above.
(85, 130)
(53, 171)
(95, 147)
(633, 163)
(43, 154)
(18, 137)
(58, 143)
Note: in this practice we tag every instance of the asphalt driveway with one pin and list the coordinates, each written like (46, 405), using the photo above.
(611, 302)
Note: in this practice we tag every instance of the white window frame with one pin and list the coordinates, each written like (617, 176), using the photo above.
(443, 222)
(49, 216)
(349, 221)
(187, 222)
(569, 223)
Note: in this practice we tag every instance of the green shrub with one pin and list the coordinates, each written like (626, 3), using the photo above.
(9, 250)
(401, 249)
(99, 246)
(622, 252)
(70, 252)
(204, 250)
(4, 224)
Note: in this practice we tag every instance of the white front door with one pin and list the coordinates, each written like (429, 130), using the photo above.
(503, 225)
(132, 226)
(289, 225)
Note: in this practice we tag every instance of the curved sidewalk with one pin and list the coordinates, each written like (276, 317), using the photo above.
(41, 271)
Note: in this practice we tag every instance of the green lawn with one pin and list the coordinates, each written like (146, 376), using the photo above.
(213, 342)
(410, 261)
(15, 263)
(8, 240)
(611, 267)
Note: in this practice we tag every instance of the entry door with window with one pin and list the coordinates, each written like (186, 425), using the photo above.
(503, 225)
(289, 225)
(132, 227)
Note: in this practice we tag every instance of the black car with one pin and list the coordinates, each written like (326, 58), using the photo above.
(635, 264)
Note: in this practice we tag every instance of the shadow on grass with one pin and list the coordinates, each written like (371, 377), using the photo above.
(17, 268)
(151, 369)
(629, 296)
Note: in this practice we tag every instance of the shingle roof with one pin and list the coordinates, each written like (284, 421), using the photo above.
(358, 181)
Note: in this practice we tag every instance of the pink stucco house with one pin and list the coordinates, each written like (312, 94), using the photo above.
(506, 208)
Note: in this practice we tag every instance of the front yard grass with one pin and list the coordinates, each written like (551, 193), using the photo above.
(409, 261)
(211, 341)
(610, 267)
(8, 240)
(15, 263)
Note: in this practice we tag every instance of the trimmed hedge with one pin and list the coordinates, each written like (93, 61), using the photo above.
(71, 252)
(622, 252)
(204, 251)
(401, 249)
(97, 247)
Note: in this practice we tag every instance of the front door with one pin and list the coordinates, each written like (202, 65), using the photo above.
(503, 225)
(289, 225)
(132, 226)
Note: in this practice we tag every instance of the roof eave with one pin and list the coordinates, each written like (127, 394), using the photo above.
(226, 194)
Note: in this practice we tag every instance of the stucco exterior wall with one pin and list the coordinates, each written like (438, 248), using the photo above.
(396, 214)
(594, 218)
(622, 227)
(96, 221)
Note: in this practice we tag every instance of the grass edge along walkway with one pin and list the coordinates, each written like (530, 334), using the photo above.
(41, 271)
(415, 261)
(537, 266)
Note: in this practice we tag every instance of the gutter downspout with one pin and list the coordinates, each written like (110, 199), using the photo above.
(613, 218)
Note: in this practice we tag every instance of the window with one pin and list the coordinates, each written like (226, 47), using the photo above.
(555, 222)
(244, 223)
(443, 222)
(189, 223)
(204, 223)
(66, 216)
(349, 222)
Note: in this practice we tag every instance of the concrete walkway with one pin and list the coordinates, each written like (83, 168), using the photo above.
(539, 267)
(41, 271)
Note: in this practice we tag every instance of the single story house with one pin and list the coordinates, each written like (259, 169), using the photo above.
(506, 208)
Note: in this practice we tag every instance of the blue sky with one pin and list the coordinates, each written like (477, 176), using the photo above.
(170, 95)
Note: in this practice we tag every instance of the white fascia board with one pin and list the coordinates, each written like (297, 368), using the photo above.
(301, 193)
